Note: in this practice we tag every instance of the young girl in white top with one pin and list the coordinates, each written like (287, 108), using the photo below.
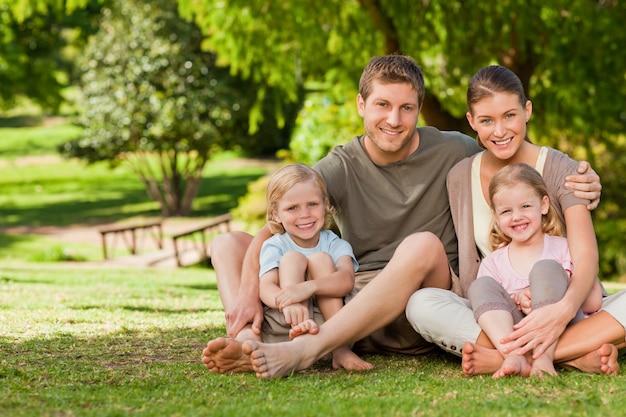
(306, 269)
(529, 268)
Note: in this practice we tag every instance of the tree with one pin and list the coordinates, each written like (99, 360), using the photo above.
(155, 100)
(562, 50)
(34, 40)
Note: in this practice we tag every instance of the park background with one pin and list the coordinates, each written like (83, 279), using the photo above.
(116, 110)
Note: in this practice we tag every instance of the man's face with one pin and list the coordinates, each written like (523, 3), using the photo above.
(390, 116)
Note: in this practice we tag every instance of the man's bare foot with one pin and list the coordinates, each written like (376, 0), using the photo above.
(478, 360)
(347, 359)
(308, 326)
(224, 355)
(513, 365)
(271, 360)
(600, 361)
(543, 366)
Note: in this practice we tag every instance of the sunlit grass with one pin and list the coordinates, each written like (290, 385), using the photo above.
(96, 341)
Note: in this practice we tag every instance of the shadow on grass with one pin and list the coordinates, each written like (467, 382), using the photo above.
(21, 121)
(201, 287)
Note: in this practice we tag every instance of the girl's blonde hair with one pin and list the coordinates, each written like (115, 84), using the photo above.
(508, 177)
(282, 181)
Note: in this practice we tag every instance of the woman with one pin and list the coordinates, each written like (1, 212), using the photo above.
(498, 111)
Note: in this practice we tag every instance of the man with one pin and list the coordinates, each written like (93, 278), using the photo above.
(389, 190)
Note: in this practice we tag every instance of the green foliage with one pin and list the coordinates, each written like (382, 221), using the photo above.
(561, 50)
(34, 35)
(252, 208)
(321, 125)
(153, 99)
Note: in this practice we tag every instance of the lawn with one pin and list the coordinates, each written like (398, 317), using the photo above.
(83, 339)
(92, 341)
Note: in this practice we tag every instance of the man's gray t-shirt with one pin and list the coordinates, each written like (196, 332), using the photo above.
(379, 205)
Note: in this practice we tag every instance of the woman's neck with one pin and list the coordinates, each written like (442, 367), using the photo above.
(527, 153)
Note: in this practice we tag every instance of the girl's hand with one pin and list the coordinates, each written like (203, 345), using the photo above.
(294, 294)
(295, 314)
(523, 301)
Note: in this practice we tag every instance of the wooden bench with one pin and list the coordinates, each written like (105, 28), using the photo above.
(218, 224)
(129, 231)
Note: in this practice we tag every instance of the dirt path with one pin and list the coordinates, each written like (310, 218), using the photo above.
(150, 254)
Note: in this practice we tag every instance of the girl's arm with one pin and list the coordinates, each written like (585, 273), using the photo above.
(337, 284)
(268, 288)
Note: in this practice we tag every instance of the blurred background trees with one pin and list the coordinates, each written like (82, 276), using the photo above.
(150, 97)
(295, 65)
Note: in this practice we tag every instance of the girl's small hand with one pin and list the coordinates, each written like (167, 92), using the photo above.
(293, 294)
(523, 300)
(295, 314)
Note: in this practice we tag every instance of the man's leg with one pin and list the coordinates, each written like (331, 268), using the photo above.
(227, 253)
(419, 260)
(443, 318)
(224, 354)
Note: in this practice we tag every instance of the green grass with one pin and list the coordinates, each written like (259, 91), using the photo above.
(34, 140)
(89, 341)
(62, 193)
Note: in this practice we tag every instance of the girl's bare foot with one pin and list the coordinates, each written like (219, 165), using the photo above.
(513, 365)
(308, 326)
(347, 359)
(600, 361)
(224, 355)
(543, 366)
(478, 360)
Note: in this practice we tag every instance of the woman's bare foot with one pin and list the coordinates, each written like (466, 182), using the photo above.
(543, 366)
(478, 360)
(345, 358)
(513, 365)
(224, 355)
(271, 360)
(306, 327)
(600, 361)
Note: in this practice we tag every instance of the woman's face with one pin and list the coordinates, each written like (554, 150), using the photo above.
(500, 122)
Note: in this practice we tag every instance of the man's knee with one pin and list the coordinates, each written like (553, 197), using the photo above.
(228, 246)
(425, 241)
